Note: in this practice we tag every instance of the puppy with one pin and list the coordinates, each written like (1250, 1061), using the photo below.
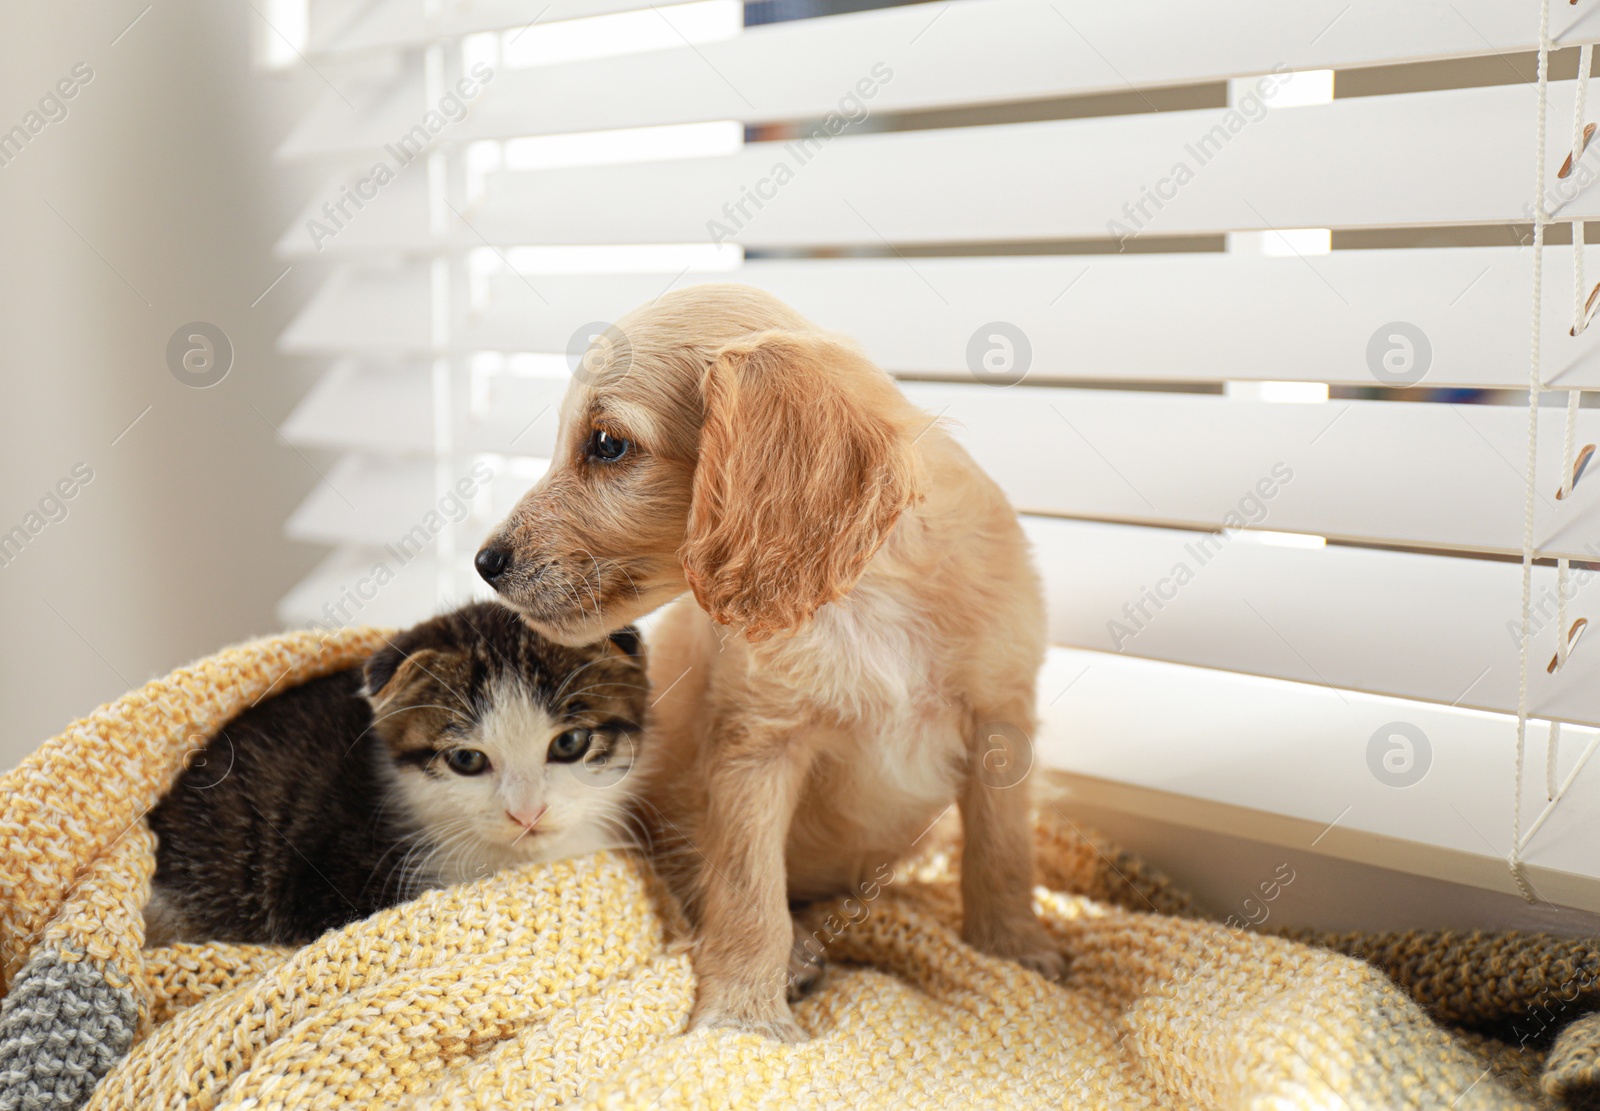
(862, 645)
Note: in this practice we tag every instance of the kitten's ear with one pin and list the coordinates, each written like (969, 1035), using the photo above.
(390, 674)
(627, 639)
(380, 668)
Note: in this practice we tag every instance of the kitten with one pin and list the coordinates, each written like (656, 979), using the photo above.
(467, 745)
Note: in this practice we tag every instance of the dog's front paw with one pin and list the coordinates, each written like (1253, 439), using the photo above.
(1029, 945)
(779, 1027)
(807, 959)
(1046, 962)
(804, 972)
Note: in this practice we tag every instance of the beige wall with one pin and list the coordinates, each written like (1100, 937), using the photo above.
(162, 169)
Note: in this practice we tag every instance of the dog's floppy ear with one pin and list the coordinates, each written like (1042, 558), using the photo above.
(805, 464)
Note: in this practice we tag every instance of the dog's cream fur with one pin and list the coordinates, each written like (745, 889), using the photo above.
(864, 614)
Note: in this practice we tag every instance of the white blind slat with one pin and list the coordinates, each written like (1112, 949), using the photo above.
(1380, 161)
(1200, 317)
(1433, 628)
(1099, 454)
(391, 24)
(1414, 475)
(919, 57)
(375, 502)
(386, 408)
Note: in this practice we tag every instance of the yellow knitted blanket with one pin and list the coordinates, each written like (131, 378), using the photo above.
(565, 985)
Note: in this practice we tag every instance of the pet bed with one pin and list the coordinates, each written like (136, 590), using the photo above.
(569, 984)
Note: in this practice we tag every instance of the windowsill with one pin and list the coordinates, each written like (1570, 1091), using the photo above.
(1287, 764)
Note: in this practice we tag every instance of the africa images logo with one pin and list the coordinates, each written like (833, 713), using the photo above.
(850, 111)
(52, 109)
(415, 142)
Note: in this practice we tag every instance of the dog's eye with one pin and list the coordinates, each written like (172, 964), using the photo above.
(466, 761)
(605, 447)
(569, 746)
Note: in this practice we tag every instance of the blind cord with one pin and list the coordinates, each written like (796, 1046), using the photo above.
(1540, 218)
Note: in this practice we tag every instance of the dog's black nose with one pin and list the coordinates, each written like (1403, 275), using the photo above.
(492, 562)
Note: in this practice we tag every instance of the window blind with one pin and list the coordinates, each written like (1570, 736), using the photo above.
(1254, 366)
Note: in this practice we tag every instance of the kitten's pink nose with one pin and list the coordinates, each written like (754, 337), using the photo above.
(527, 819)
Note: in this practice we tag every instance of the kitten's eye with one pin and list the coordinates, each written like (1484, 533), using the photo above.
(606, 448)
(466, 761)
(570, 746)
